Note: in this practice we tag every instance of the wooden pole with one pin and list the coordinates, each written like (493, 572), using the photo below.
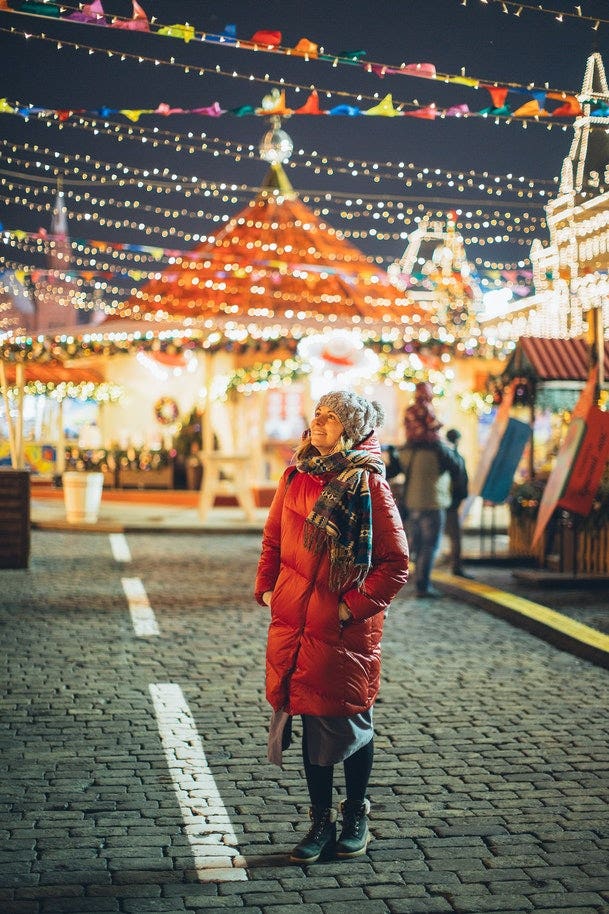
(9, 420)
(600, 349)
(60, 457)
(20, 379)
(207, 432)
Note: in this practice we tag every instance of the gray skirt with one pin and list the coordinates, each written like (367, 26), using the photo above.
(330, 740)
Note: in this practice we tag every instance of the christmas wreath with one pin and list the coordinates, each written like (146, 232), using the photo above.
(166, 410)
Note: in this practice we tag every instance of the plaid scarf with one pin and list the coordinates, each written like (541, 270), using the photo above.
(341, 518)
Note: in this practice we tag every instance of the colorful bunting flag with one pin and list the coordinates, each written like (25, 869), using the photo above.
(138, 22)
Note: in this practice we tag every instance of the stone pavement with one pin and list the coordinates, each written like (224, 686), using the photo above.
(490, 790)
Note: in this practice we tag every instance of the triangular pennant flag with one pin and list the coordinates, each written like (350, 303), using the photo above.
(530, 109)
(134, 114)
(570, 108)
(305, 48)
(278, 109)
(64, 114)
(384, 108)
(311, 106)
(213, 110)
(38, 9)
(346, 110)
(243, 110)
(353, 56)
(427, 114)
(228, 36)
(504, 111)
(90, 13)
(166, 110)
(271, 39)
(462, 81)
(498, 94)
(185, 32)
(138, 22)
(422, 70)
(457, 111)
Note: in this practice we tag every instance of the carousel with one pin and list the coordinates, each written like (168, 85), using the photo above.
(245, 332)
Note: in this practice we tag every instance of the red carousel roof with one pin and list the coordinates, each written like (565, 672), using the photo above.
(53, 372)
(275, 259)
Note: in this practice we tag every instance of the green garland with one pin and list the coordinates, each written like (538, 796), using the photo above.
(264, 375)
(102, 460)
(525, 498)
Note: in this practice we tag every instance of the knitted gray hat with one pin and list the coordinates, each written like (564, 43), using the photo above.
(358, 415)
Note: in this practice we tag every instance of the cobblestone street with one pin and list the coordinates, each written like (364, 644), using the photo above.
(489, 793)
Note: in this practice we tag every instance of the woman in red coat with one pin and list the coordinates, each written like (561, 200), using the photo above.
(334, 555)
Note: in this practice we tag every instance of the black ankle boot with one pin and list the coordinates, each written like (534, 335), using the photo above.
(354, 836)
(320, 837)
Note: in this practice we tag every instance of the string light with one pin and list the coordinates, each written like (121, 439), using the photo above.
(285, 83)
(557, 14)
(154, 175)
(100, 392)
(328, 165)
(310, 57)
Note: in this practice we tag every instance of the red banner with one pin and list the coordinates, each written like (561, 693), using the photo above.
(589, 464)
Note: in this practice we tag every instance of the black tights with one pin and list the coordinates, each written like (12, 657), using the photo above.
(357, 774)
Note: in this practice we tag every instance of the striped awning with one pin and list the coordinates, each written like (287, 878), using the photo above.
(552, 360)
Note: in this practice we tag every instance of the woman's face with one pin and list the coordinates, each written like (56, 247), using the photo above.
(326, 429)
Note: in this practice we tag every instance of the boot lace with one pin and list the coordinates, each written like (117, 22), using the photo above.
(317, 828)
(351, 822)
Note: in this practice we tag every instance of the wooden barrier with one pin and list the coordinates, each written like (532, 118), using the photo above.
(128, 478)
(580, 551)
(520, 537)
(14, 518)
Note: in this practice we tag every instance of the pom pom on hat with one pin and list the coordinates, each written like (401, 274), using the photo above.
(358, 415)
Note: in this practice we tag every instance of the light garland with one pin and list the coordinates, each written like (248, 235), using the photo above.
(430, 111)
(100, 392)
(238, 337)
(148, 229)
(460, 180)
(383, 210)
(308, 51)
(197, 184)
(516, 8)
(404, 374)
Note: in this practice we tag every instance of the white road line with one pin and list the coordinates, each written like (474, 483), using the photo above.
(120, 549)
(206, 823)
(142, 616)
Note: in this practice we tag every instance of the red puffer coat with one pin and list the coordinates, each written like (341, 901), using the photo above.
(313, 664)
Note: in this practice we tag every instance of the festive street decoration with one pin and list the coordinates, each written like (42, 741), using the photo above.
(570, 274)
(403, 373)
(54, 379)
(515, 8)
(568, 107)
(270, 40)
(328, 278)
(166, 411)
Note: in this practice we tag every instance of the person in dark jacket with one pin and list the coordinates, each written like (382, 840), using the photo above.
(428, 465)
(459, 485)
(334, 556)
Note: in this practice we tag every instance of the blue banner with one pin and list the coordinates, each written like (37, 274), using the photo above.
(500, 476)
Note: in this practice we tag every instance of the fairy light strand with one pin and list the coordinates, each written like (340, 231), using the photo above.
(336, 60)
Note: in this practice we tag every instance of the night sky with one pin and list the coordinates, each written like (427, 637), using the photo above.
(476, 37)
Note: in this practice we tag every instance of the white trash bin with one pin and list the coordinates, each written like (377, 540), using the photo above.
(82, 494)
